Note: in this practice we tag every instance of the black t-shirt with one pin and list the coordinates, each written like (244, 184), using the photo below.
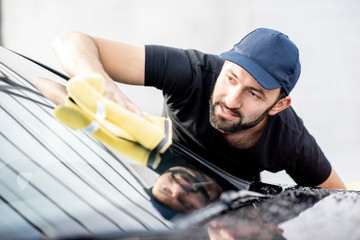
(187, 78)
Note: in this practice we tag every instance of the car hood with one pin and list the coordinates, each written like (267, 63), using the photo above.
(296, 213)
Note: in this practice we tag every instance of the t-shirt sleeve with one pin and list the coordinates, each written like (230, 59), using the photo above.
(168, 69)
(309, 167)
(292, 148)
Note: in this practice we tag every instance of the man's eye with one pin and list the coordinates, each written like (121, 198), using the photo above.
(231, 80)
(254, 94)
(165, 190)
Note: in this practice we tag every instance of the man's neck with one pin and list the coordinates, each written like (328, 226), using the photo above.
(247, 138)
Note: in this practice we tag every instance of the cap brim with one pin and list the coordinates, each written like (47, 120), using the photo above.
(258, 72)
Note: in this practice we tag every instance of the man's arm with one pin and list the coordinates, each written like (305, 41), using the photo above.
(81, 54)
(333, 181)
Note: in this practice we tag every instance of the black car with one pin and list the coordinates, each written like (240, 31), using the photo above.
(57, 183)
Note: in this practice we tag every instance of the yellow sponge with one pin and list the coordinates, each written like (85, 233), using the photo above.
(86, 108)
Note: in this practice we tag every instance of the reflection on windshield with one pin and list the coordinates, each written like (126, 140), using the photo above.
(182, 187)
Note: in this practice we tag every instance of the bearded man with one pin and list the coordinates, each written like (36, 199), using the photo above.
(233, 109)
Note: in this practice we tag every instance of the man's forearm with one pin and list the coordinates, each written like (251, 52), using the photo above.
(333, 181)
(78, 54)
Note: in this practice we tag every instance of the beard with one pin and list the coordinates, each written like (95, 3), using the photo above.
(226, 126)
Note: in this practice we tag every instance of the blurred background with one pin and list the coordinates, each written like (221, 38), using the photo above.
(327, 32)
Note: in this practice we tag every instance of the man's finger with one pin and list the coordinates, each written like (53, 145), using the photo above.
(50, 89)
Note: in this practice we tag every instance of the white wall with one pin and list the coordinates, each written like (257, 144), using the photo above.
(327, 33)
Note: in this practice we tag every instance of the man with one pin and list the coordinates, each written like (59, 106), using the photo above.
(183, 189)
(233, 110)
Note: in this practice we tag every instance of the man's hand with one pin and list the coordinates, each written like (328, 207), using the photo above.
(56, 93)
(113, 93)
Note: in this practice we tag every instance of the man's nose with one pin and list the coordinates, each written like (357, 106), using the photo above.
(177, 190)
(233, 98)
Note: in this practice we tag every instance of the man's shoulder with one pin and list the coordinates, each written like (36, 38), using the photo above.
(287, 120)
(200, 61)
(285, 130)
(206, 61)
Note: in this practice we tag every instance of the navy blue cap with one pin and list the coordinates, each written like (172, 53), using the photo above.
(269, 56)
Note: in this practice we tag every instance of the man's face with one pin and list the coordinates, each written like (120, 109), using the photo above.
(182, 189)
(238, 101)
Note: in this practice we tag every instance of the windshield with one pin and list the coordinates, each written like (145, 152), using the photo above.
(55, 181)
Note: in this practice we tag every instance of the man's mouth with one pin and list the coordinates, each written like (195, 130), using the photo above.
(226, 113)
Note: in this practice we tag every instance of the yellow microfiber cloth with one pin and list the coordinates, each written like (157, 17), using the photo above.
(86, 108)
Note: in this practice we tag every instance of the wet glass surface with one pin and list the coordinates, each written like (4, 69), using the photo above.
(296, 213)
(53, 178)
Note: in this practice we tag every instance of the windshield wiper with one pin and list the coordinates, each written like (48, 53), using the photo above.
(9, 89)
(228, 201)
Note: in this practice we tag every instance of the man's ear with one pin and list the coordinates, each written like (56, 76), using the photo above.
(281, 105)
